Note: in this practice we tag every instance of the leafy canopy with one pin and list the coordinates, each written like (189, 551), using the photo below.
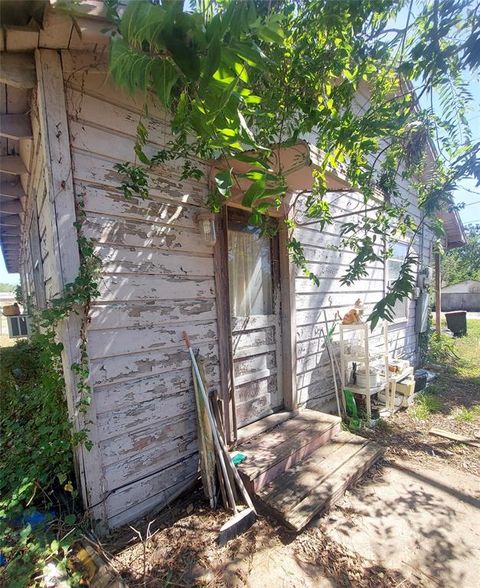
(243, 78)
(463, 263)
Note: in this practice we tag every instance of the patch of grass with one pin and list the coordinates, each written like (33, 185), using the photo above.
(425, 404)
(464, 414)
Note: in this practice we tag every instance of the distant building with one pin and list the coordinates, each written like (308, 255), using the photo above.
(462, 296)
(6, 299)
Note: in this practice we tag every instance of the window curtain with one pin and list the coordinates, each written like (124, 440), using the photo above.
(250, 273)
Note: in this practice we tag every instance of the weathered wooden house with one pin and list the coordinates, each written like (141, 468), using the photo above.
(254, 318)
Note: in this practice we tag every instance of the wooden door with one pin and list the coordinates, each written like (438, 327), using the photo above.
(254, 292)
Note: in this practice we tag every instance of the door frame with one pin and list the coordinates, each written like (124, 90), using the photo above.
(287, 319)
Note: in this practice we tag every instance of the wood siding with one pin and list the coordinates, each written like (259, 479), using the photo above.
(314, 383)
(157, 281)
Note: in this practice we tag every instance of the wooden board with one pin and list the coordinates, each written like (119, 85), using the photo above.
(15, 126)
(274, 446)
(454, 437)
(12, 164)
(18, 70)
(314, 484)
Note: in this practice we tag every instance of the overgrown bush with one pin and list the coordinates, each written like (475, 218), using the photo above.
(38, 500)
(441, 350)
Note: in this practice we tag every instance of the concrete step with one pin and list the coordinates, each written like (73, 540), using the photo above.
(275, 450)
(313, 485)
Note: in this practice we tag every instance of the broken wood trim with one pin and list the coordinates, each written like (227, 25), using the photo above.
(15, 126)
(17, 70)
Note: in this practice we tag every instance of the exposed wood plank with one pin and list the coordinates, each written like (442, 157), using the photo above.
(99, 171)
(147, 389)
(18, 70)
(132, 260)
(134, 340)
(118, 369)
(22, 38)
(88, 34)
(454, 437)
(153, 492)
(137, 287)
(56, 29)
(148, 416)
(117, 315)
(12, 164)
(326, 495)
(113, 203)
(15, 126)
(124, 232)
(10, 206)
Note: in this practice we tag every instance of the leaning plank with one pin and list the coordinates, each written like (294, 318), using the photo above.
(12, 164)
(454, 437)
(15, 126)
(18, 70)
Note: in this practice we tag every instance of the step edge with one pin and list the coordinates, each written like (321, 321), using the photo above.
(321, 480)
(377, 453)
(253, 476)
(313, 456)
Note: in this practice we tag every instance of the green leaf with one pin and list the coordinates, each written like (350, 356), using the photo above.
(164, 76)
(70, 519)
(224, 182)
(251, 54)
(212, 60)
(255, 191)
(252, 159)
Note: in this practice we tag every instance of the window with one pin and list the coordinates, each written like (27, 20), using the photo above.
(394, 264)
(249, 270)
(18, 326)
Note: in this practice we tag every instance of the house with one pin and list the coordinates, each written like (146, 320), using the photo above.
(256, 321)
(462, 296)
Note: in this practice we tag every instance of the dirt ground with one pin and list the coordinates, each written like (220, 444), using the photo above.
(413, 520)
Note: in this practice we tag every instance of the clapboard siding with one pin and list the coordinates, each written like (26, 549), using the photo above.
(330, 262)
(157, 280)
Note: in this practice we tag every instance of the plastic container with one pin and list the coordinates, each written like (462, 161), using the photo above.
(457, 322)
(374, 379)
(421, 378)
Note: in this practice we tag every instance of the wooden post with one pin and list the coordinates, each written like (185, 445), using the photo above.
(289, 329)
(65, 255)
(438, 294)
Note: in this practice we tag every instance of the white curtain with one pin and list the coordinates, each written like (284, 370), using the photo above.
(250, 273)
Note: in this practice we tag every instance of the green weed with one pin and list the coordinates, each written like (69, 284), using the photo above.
(464, 414)
(425, 404)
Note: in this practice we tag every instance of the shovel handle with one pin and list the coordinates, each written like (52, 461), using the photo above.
(186, 339)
